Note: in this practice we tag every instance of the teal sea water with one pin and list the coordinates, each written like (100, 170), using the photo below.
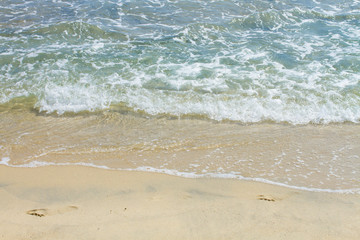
(292, 61)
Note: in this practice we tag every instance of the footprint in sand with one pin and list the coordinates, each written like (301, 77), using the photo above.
(38, 212)
(265, 198)
(42, 212)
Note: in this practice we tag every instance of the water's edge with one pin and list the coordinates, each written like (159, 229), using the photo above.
(313, 157)
(183, 174)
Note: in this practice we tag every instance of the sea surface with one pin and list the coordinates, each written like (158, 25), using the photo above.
(260, 90)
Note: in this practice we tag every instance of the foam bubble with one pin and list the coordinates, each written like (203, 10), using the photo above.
(5, 161)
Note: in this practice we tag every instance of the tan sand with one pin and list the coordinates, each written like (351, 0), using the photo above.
(73, 202)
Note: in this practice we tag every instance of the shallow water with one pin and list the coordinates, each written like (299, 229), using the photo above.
(313, 157)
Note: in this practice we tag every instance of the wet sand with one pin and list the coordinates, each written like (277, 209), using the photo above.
(312, 156)
(75, 202)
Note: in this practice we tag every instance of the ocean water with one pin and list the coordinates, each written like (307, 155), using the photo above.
(184, 81)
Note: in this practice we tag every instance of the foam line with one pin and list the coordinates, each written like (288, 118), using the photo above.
(172, 172)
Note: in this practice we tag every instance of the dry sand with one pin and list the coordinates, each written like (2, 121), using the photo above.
(73, 202)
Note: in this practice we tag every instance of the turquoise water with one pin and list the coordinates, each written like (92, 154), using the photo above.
(248, 61)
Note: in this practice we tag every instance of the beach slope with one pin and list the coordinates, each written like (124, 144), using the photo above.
(74, 202)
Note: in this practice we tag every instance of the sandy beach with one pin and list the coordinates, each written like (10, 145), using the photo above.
(75, 202)
(176, 119)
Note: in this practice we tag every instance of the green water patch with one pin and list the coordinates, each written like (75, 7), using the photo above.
(19, 104)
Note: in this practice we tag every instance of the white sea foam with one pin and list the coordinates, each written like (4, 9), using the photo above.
(282, 61)
(71, 98)
(173, 172)
(5, 161)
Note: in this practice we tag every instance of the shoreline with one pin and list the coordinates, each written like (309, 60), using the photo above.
(78, 202)
(315, 157)
(175, 173)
